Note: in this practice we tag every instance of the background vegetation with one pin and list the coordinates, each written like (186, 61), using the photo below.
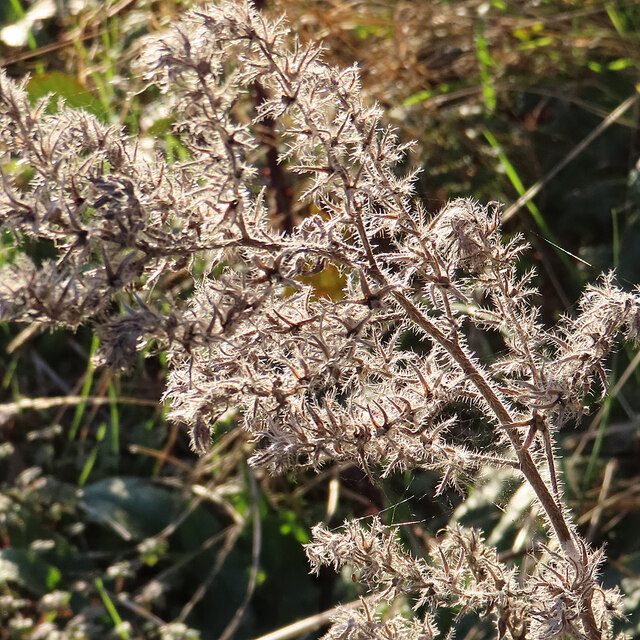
(111, 527)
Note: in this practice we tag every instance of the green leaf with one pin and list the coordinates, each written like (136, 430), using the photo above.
(416, 98)
(133, 507)
(68, 87)
(545, 41)
(28, 570)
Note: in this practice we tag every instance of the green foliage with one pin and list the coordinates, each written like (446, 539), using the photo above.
(68, 88)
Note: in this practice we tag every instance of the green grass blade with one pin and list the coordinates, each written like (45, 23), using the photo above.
(486, 62)
(86, 387)
(91, 459)
(111, 609)
(115, 421)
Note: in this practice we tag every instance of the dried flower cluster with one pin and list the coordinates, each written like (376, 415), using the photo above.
(317, 379)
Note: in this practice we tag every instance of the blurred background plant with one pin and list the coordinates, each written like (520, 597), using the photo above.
(111, 527)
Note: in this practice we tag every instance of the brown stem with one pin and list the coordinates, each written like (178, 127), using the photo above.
(278, 183)
(527, 465)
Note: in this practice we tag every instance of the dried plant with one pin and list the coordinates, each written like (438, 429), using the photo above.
(318, 379)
